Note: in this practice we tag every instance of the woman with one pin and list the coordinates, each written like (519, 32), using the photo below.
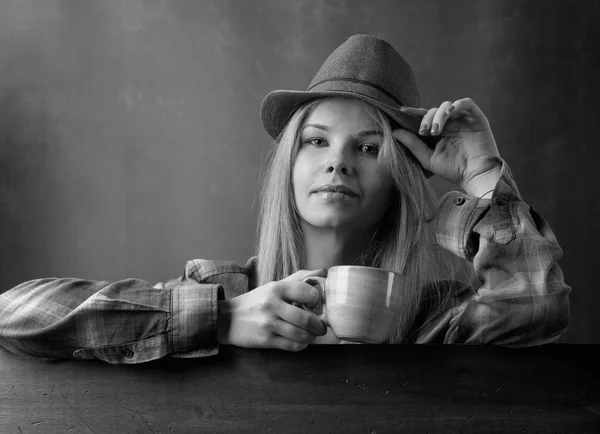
(346, 184)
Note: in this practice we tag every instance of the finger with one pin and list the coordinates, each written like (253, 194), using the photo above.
(417, 111)
(462, 107)
(427, 121)
(303, 274)
(285, 344)
(300, 292)
(301, 318)
(293, 333)
(439, 118)
(417, 147)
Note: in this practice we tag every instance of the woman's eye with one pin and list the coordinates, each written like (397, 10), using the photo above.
(369, 149)
(315, 142)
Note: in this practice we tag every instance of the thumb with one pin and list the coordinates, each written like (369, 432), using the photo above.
(303, 274)
(415, 145)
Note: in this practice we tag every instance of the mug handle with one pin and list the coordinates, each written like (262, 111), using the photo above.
(319, 283)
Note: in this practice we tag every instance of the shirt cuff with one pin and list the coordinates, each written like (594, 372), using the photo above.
(458, 214)
(194, 318)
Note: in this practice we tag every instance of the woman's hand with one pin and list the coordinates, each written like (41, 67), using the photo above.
(266, 318)
(466, 155)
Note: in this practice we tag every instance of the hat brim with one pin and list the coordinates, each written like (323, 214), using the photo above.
(278, 106)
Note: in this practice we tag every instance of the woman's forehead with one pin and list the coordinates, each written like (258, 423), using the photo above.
(341, 112)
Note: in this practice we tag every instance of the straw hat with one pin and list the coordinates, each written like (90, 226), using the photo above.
(363, 67)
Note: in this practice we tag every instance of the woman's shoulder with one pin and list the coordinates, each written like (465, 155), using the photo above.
(448, 288)
(440, 296)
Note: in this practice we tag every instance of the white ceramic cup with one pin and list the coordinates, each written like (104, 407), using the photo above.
(359, 304)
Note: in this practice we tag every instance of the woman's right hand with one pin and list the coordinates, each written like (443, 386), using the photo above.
(266, 318)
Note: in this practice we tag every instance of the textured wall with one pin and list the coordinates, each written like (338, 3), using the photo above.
(130, 137)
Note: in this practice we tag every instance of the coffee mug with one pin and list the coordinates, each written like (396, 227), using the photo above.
(359, 304)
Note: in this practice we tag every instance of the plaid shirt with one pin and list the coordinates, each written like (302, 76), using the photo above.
(522, 299)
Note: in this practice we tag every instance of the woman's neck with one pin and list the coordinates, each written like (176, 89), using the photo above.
(325, 248)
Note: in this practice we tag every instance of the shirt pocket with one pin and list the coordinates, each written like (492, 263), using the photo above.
(130, 353)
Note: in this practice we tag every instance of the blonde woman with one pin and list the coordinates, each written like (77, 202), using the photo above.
(346, 183)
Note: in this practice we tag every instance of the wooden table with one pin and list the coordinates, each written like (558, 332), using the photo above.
(326, 388)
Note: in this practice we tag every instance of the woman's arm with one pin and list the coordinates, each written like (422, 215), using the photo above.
(129, 321)
(523, 299)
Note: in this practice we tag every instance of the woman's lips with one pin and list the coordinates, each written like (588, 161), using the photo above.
(338, 188)
(330, 196)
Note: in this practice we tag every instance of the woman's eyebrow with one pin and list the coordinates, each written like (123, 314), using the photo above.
(369, 133)
(319, 126)
(361, 133)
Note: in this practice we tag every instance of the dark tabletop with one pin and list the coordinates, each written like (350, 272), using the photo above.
(337, 388)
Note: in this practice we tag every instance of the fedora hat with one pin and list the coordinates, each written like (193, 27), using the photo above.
(364, 67)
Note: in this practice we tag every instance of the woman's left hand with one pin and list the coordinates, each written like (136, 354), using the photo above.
(466, 155)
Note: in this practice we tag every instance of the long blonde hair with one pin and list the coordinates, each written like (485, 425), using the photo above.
(404, 242)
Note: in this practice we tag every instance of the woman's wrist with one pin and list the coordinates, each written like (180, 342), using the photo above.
(223, 321)
(487, 194)
(483, 185)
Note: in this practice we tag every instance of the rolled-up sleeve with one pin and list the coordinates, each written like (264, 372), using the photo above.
(129, 321)
(522, 299)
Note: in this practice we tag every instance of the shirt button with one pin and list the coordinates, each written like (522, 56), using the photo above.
(459, 201)
(128, 354)
(500, 202)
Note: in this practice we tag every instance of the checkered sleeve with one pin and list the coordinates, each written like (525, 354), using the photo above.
(129, 321)
(523, 299)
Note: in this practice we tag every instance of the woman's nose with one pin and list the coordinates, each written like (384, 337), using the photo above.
(339, 162)
(340, 167)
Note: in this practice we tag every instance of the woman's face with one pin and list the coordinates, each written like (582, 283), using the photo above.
(336, 179)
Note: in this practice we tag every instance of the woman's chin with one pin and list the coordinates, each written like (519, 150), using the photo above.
(335, 223)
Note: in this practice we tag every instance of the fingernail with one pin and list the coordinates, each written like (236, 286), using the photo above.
(450, 109)
(434, 128)
(423, 129)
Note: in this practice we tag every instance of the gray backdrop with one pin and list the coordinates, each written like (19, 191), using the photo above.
(130, 136)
